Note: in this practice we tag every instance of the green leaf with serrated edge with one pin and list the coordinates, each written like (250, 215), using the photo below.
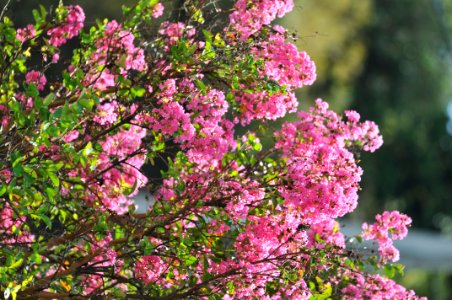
(49, 99)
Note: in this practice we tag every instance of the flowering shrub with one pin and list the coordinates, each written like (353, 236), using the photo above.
(228, 219)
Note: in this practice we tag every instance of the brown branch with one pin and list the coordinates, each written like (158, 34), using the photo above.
(44, 282)
(46, 295)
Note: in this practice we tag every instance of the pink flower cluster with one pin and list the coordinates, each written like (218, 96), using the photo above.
(69, 28)
(106, 258)
(119, 43)
(149, 268)
(258, 249)
(249, 16)
(245, 195)
(367, 132)
(9, 220)
(329, 233)
(102, 81)
(376, 287)
(171, 117)
(284, 63)
(196, 121)
(116, 177)
(106, 113)
(215, 135)
(323, 174)
(389, 226)
(4, 118)
(37, 78)
(26, 33)
(262, 105)
(157, 10)
(173, 32)
(122, 146)
(268, 236)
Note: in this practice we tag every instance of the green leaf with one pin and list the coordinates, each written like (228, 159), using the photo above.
(36, 15)
(257, 147)
(54, 178)
(16, 264)
(49, 99)
(2, 189)
(130, 190)
(137, 91)
(36, 258)
(389, 272)
(46, 220)
(208, 35)
(88, 149)
(218, 41)
(190, 260)
(51, 193)
(32, 90)
(87, 103)
(18, 169)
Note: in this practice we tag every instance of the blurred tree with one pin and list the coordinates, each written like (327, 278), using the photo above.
(405, 87)
(331, 33)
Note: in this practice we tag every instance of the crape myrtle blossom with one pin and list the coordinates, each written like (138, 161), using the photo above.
(248, 17)
(389, 226)
(287, 66)
(235, 213)
(157, 10)
(37, 78)
(69, 27)
(284, 63)
(119, 43)
(26, 33)
(8, 221)
(376, 287)
(323, 171)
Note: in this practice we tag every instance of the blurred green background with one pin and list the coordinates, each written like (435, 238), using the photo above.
(392, 62)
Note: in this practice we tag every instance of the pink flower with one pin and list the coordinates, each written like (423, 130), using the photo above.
(106, 113)
(69, 27)
(249, 17)
(323, 172)
(329, 232)
(376, 287)
(284, 63)
(263, 105)
(103, 81)
(149, 268)
(71, 136)
(55, 58)
(26, 33)
(119, 43)
(157, 10)
(37, 78)
(388, 226)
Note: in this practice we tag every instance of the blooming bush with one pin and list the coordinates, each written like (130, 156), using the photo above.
(228, 219)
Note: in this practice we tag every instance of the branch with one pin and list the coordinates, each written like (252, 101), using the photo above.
(44, 282)
(5, 8)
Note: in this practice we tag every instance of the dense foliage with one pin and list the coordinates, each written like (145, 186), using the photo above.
(227, 219)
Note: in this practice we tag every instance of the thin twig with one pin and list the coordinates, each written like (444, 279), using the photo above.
(5, 8)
